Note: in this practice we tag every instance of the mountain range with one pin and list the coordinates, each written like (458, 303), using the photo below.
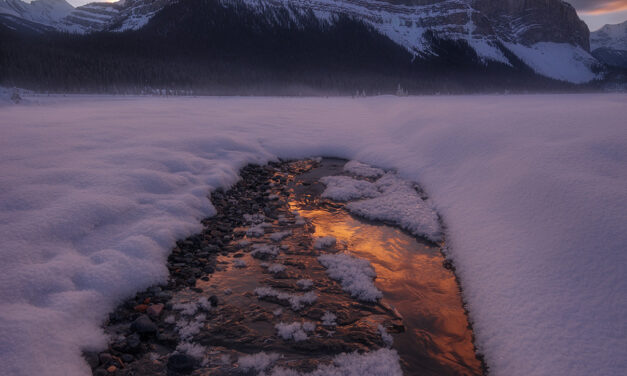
(544, 37)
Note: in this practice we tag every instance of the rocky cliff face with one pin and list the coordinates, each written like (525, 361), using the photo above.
(533, 21)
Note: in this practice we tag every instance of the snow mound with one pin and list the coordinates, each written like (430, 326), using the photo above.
(362, 169)
(400, 203)
(355, 275)
(383, 362)
(345, 188)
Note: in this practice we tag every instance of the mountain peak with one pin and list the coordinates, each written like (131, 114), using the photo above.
(610, 36)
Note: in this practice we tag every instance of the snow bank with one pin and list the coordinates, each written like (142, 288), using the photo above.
(356, 275)
(345, 188)
(95, 191)
(400, 203)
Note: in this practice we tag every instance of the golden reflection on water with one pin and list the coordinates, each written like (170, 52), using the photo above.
(414, 281)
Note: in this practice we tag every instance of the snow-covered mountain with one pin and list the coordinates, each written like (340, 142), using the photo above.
(610, 36)
(47, 12)
(609, 44)
(546, 35)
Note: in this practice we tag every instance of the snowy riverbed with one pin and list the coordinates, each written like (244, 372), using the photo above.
(532, 189)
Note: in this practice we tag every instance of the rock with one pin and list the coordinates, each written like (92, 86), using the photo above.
(140, 308)
(213, 300)
(133, 341)
(144, 326)
(182, 363)
(127, 358)
(155, 310)
(105, 359)
(100, 372)
(112, 369)
(92, 359)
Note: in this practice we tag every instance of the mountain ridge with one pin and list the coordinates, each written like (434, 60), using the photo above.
(546, 35)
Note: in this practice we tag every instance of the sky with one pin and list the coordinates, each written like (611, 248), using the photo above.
(595, 13)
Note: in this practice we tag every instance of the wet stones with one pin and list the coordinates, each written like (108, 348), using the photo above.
(144, 326)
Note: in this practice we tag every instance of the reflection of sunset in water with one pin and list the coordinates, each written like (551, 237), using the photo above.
(414, 281)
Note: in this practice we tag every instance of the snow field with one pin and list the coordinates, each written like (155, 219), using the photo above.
(96, 190)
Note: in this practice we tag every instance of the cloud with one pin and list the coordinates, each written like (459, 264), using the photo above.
(599, 6)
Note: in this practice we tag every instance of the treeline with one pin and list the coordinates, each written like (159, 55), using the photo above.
(203, 47)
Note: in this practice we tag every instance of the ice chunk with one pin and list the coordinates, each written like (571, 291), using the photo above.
(355, 275)
(324, 242)
(362, 169)
(345, 188)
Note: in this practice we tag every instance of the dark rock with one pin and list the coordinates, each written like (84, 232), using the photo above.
(213, 300)
(105, 359)
(133, 341)
(181, 363)
(144, 325)
(92, 359)
(101, 372)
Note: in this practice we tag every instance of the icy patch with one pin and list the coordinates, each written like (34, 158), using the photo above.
(278, 236)
(355, 275)
(385, 336)
(296, 301)
(295, 331)
(258, 230)
(328, 319)
(257, 362)
(345, 188)
(192, 349)
(255, 218)
(276, 268)
(362, 169)
(264, 251)
(186, 309)
(399, 203)
(188, 328)
(383, 362)
(239, 263)
(324, 242)
(304, 284)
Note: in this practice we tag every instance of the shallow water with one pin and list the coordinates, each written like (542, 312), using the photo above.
(421, 306)
(410, 273)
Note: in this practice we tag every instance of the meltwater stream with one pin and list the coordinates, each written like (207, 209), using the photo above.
(411, 274)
